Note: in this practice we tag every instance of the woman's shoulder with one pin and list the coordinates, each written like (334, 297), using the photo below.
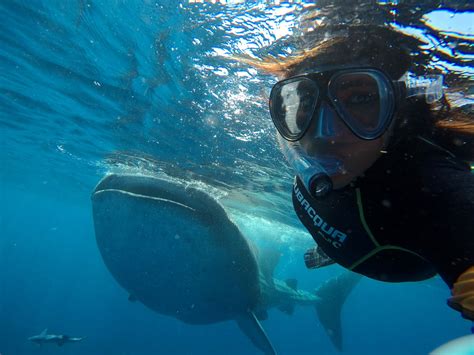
(416, 168)
(431, 155)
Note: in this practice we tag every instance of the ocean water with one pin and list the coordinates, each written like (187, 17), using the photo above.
(93, 87)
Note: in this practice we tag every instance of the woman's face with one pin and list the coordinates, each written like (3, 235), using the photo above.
(356, 155)
(353, 154)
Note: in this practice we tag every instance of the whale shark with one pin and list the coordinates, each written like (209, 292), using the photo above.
(59, 339)
(173, 247)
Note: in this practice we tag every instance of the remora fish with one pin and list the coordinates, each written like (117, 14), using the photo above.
(59, 339)
(174, 249)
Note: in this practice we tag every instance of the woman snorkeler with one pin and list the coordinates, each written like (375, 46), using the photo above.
(383, 181)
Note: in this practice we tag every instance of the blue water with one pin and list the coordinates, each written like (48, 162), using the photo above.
(90, 87)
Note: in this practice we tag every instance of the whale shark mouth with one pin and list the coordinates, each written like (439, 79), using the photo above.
(161, 190)
(158, 199)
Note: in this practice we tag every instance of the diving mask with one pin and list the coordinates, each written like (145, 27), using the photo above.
(365, 99)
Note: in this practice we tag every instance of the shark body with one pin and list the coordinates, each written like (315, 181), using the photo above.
(174, 249)
(59, 339)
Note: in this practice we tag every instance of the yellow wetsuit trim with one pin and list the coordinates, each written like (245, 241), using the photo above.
(362, 218)
(378, 247)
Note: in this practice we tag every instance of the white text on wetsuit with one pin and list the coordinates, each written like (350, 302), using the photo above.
(330, 234)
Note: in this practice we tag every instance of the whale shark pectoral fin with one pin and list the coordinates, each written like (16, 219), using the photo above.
(251, 327)
(332, 295)
(261, 314)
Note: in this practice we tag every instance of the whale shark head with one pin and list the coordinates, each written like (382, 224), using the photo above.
(174, 249)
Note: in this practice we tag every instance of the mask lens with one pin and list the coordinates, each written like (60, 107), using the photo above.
(292, 104)
(362, 100)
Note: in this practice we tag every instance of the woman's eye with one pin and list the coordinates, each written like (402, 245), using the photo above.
(305, 102)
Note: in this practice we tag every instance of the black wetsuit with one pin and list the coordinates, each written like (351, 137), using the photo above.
(411, 216)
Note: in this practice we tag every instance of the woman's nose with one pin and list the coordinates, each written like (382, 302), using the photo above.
(323, 124)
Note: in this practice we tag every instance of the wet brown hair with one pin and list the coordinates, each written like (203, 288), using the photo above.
(392, 52)
(356, 46)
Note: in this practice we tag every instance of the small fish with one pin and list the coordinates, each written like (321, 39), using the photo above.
(59, 339)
